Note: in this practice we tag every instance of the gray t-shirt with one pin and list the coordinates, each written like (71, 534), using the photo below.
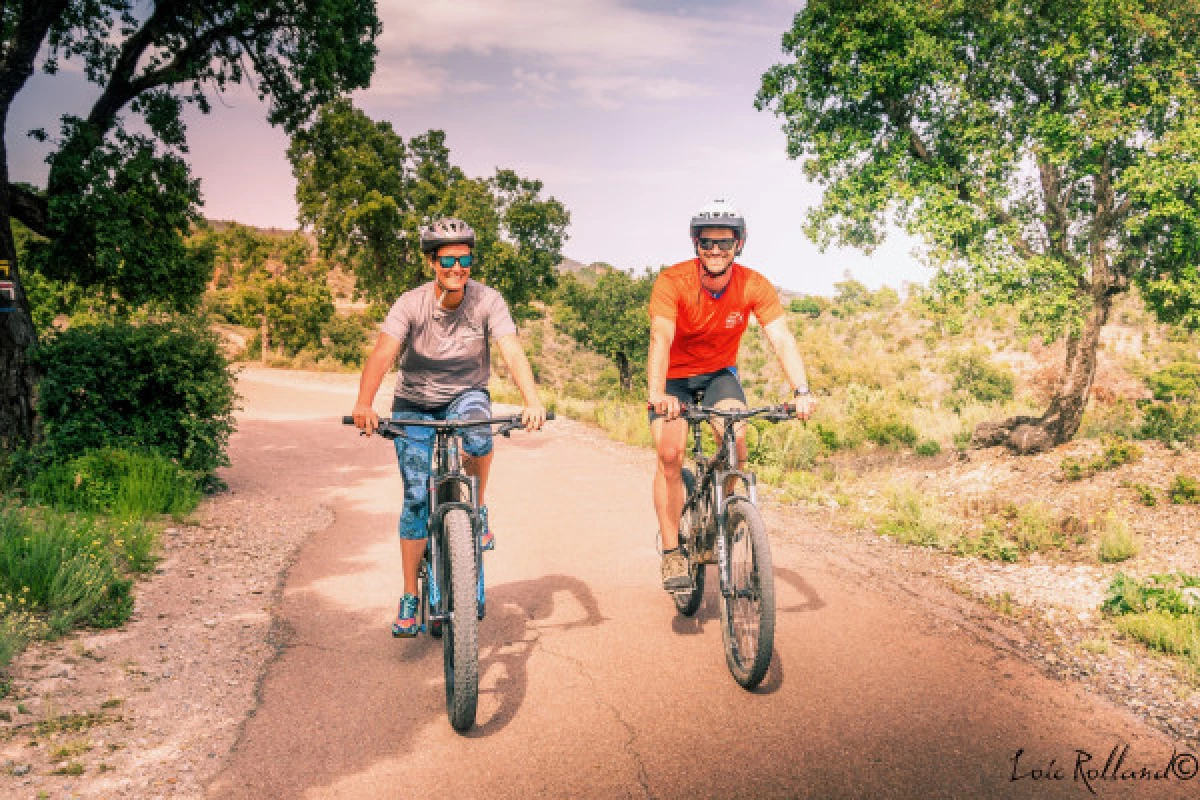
(446, 352)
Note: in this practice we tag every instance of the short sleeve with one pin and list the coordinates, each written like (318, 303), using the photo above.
(664, 297)
(764, 300)
(396, 323)
(499, 318)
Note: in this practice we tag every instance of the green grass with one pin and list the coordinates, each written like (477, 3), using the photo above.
(1161, 612)
(120, 482)
(912, 519)
(61, 571)
(1117, 540)
(1184, 490)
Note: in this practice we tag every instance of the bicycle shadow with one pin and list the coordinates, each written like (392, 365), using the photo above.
(519, 616)
(810, 600)
(710, 607)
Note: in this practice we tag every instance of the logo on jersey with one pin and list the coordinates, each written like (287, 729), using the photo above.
(734, 319)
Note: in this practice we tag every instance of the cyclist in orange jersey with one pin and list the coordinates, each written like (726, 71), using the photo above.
(699, 310)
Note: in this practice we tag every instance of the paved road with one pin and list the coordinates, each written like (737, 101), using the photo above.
(593, 687)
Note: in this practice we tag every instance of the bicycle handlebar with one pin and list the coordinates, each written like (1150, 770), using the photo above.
(390, 428)
(779, 413)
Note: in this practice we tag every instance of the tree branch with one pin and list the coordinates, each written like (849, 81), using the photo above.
(31, 209)
(31, 30)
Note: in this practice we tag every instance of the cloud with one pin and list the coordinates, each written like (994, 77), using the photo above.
(583, 33)
(610, 91)
(401, 81)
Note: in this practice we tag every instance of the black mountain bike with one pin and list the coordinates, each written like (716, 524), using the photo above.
(721, 525)
(451, 586)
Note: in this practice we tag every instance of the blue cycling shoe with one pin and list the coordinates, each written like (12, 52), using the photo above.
(487, 541)
(406, 625)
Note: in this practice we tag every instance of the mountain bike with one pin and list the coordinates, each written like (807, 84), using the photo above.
(450, 576)
(721, 525)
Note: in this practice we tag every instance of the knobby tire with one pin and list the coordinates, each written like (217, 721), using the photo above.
(688, 603)
(748, 617)
(460, 634)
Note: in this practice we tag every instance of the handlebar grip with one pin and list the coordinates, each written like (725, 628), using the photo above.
(347, 420)
(789, 409)
(549, 415)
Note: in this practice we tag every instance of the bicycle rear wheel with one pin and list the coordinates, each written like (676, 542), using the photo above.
(748, 610)
(688, 603)
(460, 634)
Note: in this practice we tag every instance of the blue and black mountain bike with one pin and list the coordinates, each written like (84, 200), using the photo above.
(453, 599)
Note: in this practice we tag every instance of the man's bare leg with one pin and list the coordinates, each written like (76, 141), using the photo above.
(670, 440)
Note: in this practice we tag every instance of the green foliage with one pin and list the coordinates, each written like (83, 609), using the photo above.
(993, 544)
(118, 216)
(1117, 452)
(346, 338)
(119, 482)
(976, 378)
(159, 385)
(912, 519)
(929, 113)
(298, 308)
(609, 316)
(928, 448)
(65, 568)
(808, 306)
(366, 192)
(1174, 413)
(1165, 593)
(1146, 495)
(1184, 490)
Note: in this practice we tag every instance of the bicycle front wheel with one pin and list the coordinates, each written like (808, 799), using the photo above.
(460, 634)
(688, 603)
(748, 604)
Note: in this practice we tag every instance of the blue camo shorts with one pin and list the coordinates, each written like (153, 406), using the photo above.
(414, 452)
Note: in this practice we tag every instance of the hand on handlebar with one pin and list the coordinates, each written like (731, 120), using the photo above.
(665, 405)
(804, 406)
(533, 417)
(365, 419)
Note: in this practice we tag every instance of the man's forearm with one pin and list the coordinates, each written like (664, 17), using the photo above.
(372, 377)
(790, 360)
(656, 366)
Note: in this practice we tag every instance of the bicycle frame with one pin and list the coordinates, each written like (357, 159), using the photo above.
(448, 482)
(711, 498)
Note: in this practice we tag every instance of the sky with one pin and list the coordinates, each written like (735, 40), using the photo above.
(633, 113)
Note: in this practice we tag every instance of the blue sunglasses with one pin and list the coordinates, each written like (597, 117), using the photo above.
(449, 261)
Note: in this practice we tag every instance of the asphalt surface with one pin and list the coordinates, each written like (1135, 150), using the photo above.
(592, 686)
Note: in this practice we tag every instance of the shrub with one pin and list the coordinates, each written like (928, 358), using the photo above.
(1173, 415)
(1146, 494)
(1183, 490)
(1117, 541)
(913, 520)
(929, 447)
(976, 378)
(808, 306)
(159, 385)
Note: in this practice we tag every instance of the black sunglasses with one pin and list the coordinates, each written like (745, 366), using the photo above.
(449, 261)
(704, 243)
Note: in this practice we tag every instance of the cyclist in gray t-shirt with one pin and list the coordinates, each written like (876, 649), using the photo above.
(441, 331)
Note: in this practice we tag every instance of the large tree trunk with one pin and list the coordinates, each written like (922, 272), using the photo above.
(17, 376)
(1061, 421)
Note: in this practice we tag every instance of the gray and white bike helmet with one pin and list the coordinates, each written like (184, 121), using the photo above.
(719, 214)
(445, 231)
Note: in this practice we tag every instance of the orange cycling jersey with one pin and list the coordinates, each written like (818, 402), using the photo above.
(708, 330)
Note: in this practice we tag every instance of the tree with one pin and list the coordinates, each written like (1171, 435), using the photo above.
(117, 204)
(1048, 152)
(366, 193)
(609, 317)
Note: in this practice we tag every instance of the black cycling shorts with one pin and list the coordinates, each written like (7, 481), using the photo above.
(712, 386)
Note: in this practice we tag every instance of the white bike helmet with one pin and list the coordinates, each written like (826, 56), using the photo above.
(719, 214)
(446, 231)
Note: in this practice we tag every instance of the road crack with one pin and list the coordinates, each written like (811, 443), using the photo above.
(631, 733)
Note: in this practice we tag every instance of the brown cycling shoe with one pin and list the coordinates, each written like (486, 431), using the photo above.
(675, 574)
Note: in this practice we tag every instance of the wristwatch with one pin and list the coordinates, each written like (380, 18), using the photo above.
(801, 392)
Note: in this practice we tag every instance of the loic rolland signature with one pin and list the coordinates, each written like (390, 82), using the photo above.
(1084, 768)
